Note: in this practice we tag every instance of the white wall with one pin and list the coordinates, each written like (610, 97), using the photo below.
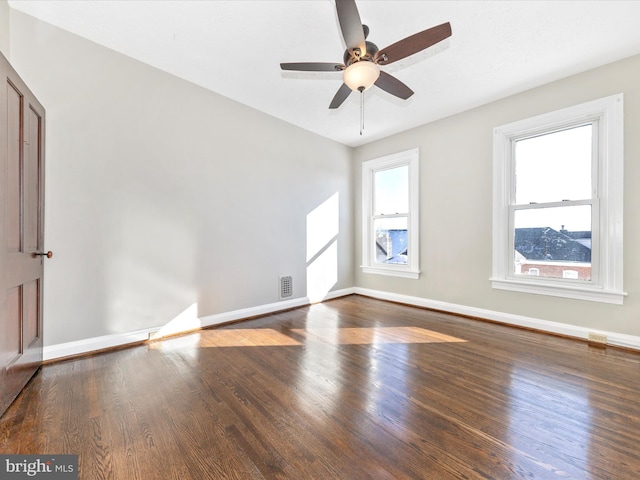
(4, 28)
(161, 195)
(456, 208)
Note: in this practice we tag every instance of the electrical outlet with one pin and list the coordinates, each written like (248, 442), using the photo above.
(597, 338)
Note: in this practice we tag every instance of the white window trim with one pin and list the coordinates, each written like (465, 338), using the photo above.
(412, 268)
(608, 286)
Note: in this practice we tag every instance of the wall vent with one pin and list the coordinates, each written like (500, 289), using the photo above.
(286, 287)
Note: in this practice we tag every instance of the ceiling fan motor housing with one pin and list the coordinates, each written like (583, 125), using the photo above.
(354, 56)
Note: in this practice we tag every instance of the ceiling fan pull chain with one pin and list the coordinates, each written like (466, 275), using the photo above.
(361, 109)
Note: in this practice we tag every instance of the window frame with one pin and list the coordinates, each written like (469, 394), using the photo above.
(411, 159)
(606, 115)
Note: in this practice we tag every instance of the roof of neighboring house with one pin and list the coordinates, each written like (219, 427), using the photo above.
(398, 244)
(545, 243)
(578, 235)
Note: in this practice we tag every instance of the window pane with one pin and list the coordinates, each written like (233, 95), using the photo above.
(391, 240)
(553, 242)
(391, 191)
(554, 167)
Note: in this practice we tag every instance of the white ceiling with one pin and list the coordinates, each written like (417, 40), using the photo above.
(234, 48)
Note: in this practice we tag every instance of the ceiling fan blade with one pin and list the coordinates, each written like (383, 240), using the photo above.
(391, 84)
(351, 25)
(413, 44)
(341, 96)
(313, 66)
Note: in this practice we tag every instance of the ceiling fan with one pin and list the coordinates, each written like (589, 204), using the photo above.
(362, 59)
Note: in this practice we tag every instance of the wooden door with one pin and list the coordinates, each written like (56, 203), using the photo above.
(21, 233)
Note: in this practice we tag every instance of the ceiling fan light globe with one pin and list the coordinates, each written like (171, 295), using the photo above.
(360, 76)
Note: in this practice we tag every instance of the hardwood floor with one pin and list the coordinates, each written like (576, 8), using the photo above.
(353, 388)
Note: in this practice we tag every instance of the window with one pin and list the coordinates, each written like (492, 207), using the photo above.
(390, 215)
(557, 210)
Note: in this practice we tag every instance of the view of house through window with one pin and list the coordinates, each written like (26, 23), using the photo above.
(558, 203)
(390, 214)
(390, 204)
(554, 209)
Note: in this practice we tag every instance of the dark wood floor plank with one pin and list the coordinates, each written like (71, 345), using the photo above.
(353, 388)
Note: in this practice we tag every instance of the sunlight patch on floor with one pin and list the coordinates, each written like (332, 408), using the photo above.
(268, 337)
(378, 335)
(247, 337)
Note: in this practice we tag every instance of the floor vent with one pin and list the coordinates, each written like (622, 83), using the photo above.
(286, 287)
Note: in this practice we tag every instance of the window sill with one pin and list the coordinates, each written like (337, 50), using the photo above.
(392, 272)
(576, 292)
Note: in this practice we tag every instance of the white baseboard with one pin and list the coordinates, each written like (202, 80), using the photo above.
(89, 345)
(94, 344)
(613, 338)
(219, 318)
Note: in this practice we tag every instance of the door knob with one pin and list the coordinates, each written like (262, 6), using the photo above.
(48, 254)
